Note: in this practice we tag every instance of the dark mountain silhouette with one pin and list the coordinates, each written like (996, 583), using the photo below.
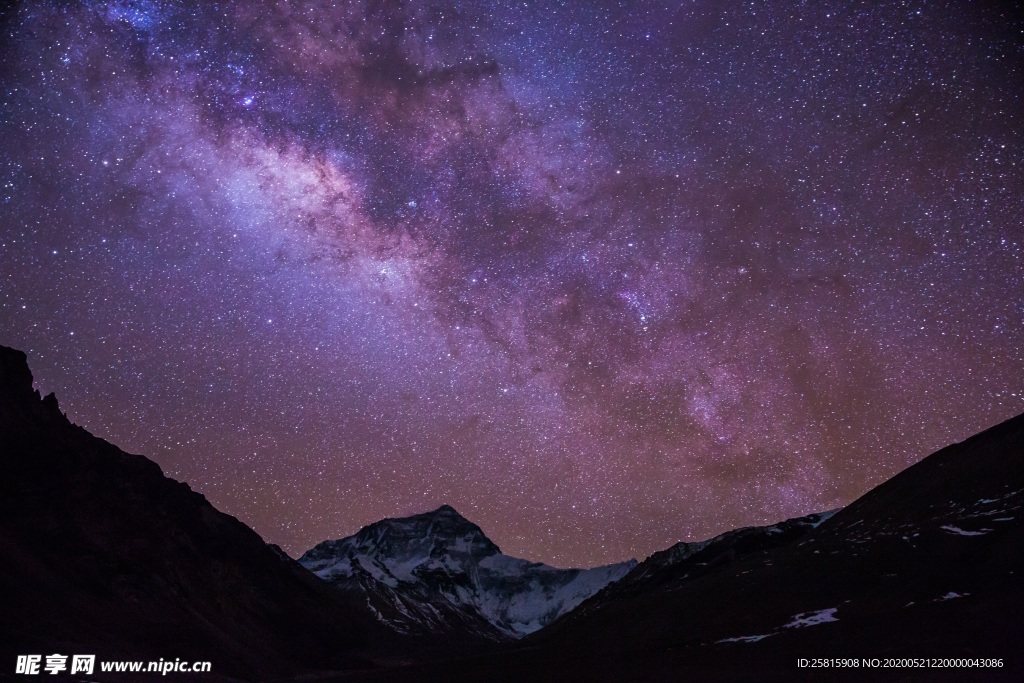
(102, 554)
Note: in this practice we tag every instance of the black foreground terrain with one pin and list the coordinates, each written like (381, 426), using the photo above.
(103, 554)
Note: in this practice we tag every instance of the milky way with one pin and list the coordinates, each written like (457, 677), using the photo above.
(602, 277)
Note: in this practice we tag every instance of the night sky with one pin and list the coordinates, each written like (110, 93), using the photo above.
(602, 276)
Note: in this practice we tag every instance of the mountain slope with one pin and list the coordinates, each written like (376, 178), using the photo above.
(103, 554)
(438, 573)
(926, 564)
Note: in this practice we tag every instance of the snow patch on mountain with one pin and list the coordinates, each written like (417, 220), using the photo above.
(963, 532)
(806, 619)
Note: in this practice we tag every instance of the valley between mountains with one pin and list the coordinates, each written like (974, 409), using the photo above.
(104, 554)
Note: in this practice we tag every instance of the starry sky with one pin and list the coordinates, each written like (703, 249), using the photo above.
(603, 276)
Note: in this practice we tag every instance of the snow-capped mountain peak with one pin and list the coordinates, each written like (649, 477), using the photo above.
(437, 571)
(398, 549)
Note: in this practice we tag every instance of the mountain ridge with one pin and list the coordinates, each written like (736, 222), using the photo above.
(104, 554)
